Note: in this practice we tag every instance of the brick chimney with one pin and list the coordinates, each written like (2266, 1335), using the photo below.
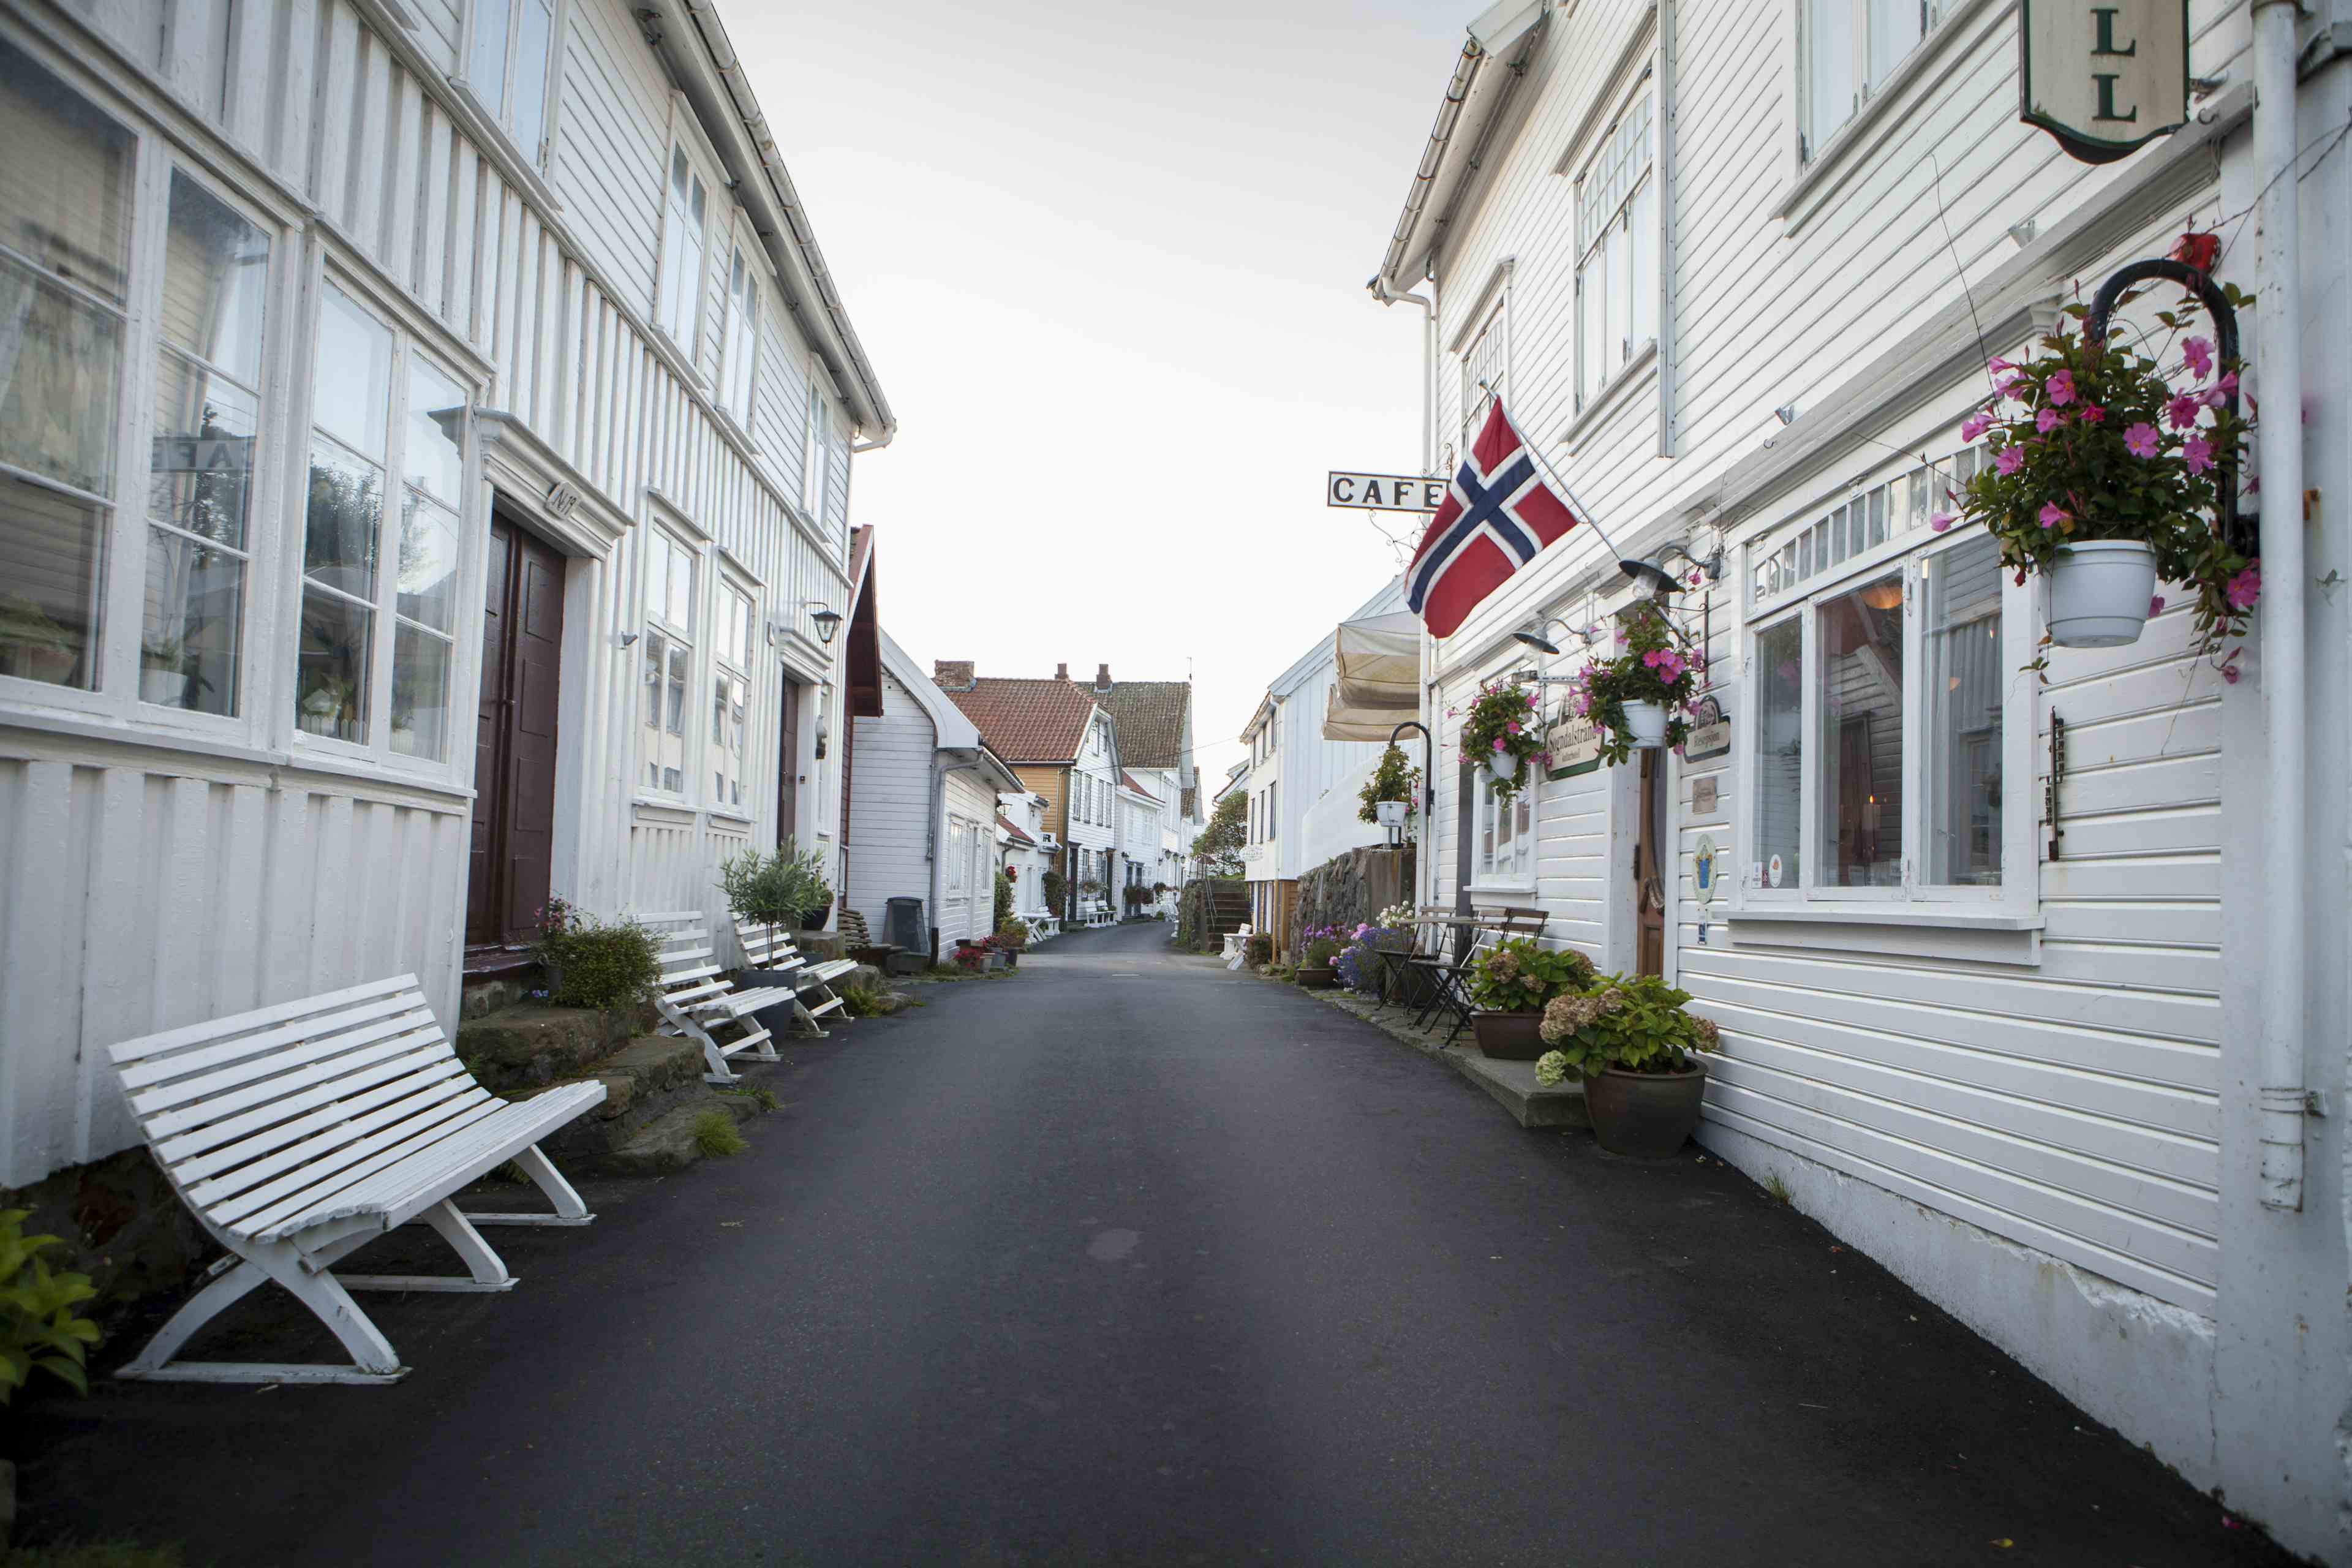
(1061, 672)
(1102, 678)
(953, 674)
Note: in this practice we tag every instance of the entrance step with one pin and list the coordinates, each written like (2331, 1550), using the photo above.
(1514, 1088)
(527, 1047)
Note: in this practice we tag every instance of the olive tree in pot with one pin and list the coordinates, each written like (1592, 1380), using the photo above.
(1638, 1051)
(773, 890)
(1509, 984)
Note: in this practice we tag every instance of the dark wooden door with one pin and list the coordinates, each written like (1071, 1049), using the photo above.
(514, 759)
(788, 761)
(1649, 885)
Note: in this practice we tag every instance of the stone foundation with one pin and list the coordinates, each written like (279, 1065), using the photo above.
(1348, 890)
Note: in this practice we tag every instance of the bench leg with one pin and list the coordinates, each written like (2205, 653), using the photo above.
(372, 1358)
(486, 1270)
(569, 1209)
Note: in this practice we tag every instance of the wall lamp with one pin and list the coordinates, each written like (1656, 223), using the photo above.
(1536, 640)
(1653, 573)
(827, 619)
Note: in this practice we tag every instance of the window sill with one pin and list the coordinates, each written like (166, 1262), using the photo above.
(1891, 912)
(498, 144)
(660, 808)
(1617, 391)
(1848, 150)
(1512, 889)
(680, 364)
(1893, 930)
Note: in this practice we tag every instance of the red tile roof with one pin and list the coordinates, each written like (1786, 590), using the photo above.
(1027, 721)
(1129, 780)
(1018, 837)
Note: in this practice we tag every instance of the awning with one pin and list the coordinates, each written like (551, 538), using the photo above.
(1378, 684)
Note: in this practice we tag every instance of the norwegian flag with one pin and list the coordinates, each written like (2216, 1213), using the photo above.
(1497, 516)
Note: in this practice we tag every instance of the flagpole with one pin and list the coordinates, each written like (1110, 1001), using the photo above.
(1585, 513)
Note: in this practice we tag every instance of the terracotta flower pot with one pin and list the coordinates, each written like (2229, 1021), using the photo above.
(1317, 979)
(1648, 1115)
(1509, 1036)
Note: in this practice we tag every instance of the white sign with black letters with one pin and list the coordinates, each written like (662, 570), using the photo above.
(2104, 77)
(1384, 492)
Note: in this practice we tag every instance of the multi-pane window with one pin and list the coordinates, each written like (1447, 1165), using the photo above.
(1881, 699)
(669, 660)
(1507, 836)
(1849, 51)
(507, 67)
(814, 476)
(65, 288)
(742, 340)
(958, 854)
(1616, 252)
(1486, 363)
(1884, 511)
(377, 410)
(730, 694)
(680, 304)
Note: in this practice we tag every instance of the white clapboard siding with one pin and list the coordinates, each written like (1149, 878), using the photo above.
(889, 809)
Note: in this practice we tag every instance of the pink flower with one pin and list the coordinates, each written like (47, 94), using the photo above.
(1975, 425)
(1996, 364)
(1498, 743)
(2052, 514)
(2228, 383)
(1513, 727)
(2011, 460)
(2199, 354)
(2182, 410)
(2255, 486)
(2059, 388)
(2156, 606)
(1531, 700)
(2093, 415)
(1940, 521)
(2196, 454)
(2140, 440)
(2244, 588)
(2049, 419)
(2230, 674)
(2008, 384)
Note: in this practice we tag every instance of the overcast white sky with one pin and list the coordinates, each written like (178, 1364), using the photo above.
(1108, 262)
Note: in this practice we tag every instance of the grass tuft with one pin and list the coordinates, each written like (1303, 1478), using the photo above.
(1777, 1190)
(716, 1135)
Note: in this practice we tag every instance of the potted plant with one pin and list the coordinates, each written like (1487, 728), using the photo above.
(32, 646)
(1638, 1051)
(1388, 795)
(1321, 947)
(1639, 699)
(1011, 937)
(611, 968)
(771, 890)
(1509, 984)
(817, 893)
(2105, 476)
(1501, 733)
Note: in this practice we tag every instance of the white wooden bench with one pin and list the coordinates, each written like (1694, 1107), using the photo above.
(697, 1001)
(1043, 927)
(777, 954)
(300, 1132)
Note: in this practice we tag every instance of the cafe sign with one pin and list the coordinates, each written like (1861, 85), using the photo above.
(2105, 78)
(1574, 743)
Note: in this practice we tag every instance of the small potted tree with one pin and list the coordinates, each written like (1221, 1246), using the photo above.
(1637, 1049)
(771, 890)
(1319, 948)
(1501, 734)
(1012, 937)
(1510, 983)
(1640, 699)
(1387, 797)
(2106, 475)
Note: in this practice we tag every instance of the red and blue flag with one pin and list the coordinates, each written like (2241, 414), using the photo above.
(1498, 515)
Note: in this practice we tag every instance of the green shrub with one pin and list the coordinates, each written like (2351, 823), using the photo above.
(715, 1134)
(1004, 900)
(1519, 974)
(1259, 953)
(1012, 931)
(1058, 888)
(591, 963)
(39, 1330)
(864, 1000)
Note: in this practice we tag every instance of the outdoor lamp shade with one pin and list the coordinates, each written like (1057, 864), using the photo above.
(828, 621)
(1536, 641)
(1650, 575)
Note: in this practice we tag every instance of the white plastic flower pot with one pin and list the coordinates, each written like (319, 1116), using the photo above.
(1503, 766)
(1392, 813)
(1646, 723)
(2100, 592)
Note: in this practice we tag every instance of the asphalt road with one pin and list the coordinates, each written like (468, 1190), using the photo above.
(1124, 1258)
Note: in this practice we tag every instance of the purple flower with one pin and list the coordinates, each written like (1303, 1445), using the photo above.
(1531, 700)
(2196, 454)
(2052, 514)
(2008, 385)
(2093, 415)
(1975, 425)
(2059, 388)
(2156, 606)
(2199, 354)
(2244, 588)
(2140, 440)
(2182, 410)
(2049, 419)
(1498, 743)
(1940, 521)
(2008, 461)
(1996, 364)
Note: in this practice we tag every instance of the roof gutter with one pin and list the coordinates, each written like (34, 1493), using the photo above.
(1433, 158)
(712, 36)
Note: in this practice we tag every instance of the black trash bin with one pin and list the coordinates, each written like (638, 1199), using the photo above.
(903, 929)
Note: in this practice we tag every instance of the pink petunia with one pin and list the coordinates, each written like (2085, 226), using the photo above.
(2156, 606)
(2244, 588)
(2093, 415)
(1940, 521)
(2008, 385)
(2049, 419)
(1498, 743)
(2140, 440)
(2228, 383)
(2198, 353)
(1512, 728)
(1996, 364)
(2182, 410)
(1975, 425)
(2051, 514)
(2011, 460)
(1531, 701)
(2196, 454)
(2059, 388)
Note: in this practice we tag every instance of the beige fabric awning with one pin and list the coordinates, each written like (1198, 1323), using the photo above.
(1378, 684)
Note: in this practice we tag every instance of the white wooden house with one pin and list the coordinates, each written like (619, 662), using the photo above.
(1736, 270)
(1026, 849)
(534, 270)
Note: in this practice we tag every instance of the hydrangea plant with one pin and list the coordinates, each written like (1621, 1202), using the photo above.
(2093, 439)
(1635, 1023)
(1519, 974)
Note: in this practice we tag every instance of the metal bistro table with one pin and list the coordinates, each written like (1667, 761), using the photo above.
(1422, 981)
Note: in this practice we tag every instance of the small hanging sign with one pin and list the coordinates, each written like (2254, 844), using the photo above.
(2106, 79)
(1574, 743)
(1710, 730)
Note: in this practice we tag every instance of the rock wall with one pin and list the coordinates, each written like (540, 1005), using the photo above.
(1348, 890)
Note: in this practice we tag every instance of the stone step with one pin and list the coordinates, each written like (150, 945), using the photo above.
(645, 1080)
(1514, 1088)
(527, 1047)
(667, 1143)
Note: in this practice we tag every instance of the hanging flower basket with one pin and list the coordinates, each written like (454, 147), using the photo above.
(1646, 725)
(1501, 732)
(2106, 468)
(1640, 700)
(1392, 812)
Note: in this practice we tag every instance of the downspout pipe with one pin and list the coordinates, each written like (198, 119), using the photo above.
(1386, 296)
(2279, 366)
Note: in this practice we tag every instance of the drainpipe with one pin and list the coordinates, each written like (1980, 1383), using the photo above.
(2279, 364)
(1381, 292)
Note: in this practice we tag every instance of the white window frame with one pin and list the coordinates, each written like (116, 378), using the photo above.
(2014, 901)
(958, 855)
(500, 111)
(655, 621)
(733, 586)
(1519, 875)
(1485, 356)
(668, 287)
(817, 444)
(738, 391)
(1637, 345)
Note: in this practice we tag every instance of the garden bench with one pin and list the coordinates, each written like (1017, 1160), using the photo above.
(698, 1002)
(300, 1132)
(778, 954)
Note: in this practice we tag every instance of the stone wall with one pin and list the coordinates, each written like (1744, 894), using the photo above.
(1348, 890)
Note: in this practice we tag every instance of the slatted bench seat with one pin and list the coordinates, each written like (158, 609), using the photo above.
(300, 1132)
(697, 1001)
(808, 977)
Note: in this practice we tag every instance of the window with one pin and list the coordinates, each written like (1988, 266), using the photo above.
(1849, 48)
(378, 410)
(731, 695)
(679, 309)
(1883, 513)
(742, 347)
(1273, 821)
(668, 658)
(814, 476)
(958, 854)
(1616, 252)
(1485, 367)
(1507, 836)
(1879, 700)
(507, 67)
